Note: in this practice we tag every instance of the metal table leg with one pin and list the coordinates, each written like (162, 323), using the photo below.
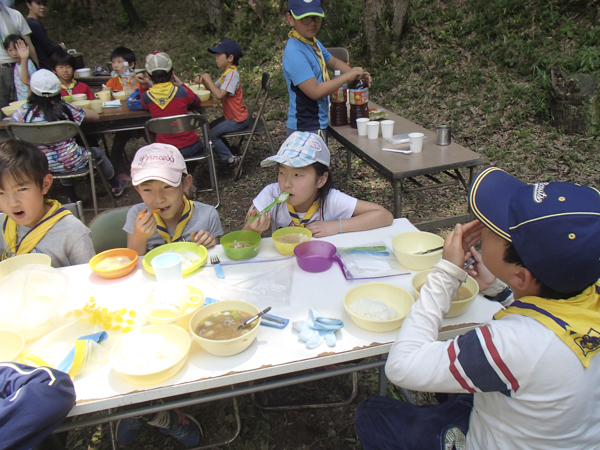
(348, 162)
(397, 185)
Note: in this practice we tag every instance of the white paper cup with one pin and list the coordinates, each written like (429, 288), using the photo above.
(387, 128)
(361, 126)
(373, 130)
(416, 142)
(167, 267)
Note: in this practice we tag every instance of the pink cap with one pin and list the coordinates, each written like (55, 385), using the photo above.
(162, 162)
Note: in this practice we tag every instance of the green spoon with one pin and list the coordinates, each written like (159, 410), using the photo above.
(280, 199)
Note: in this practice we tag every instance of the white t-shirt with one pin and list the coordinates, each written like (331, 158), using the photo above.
(337, 206)
(19, 24)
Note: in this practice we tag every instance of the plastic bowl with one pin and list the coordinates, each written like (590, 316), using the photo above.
(156, 370)
(204, 95)
(84, 72)
(288, 249)
(119, 95)
(12, 346)
(9, 265)
(180, 248)
(242, 237)
(315, 256)
(458, 307)
(85, 104)
(9, 110)
(182, 321)
(17, 103)
(393, 296)
(95, 262)
(407, 244)
(226, 347)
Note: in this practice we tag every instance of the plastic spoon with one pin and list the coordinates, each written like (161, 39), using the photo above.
(253, 318)
(280, 199)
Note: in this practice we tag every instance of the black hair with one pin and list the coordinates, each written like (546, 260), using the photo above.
(161, 76)
(321, 169)
(61, 58)
(235, 61)
(24, 161)
(52, 108)
(125, 53)
(512, 257)
(12, 39)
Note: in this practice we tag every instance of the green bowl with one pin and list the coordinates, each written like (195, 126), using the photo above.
(241, 237)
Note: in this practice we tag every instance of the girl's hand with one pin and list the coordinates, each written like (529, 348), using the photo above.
(145, 226)
(261, 224)
(319, 228)
(203, 237)
(22, 50)
(478, 271)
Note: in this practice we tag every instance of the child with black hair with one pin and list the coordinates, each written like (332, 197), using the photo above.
(17, 49)
(313, 203)
(63, 65)
(118, 58)
(46, 105)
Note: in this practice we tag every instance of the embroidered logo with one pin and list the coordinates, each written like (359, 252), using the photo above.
(538, 192)
(589, 342)
(308, 1)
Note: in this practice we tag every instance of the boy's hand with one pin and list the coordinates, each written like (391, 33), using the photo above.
(106, 88)
(261, 224)
(204, 79)
(141, 79)
(319, 228)
(367, 76)
(22, 50)
(145, 226)
(203, 237)
(471, 234)
(453, 247)
(176, 81)
(478, 271)
(198, 79)
(358, 72)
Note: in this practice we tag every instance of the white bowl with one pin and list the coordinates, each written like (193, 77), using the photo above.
(84, 72)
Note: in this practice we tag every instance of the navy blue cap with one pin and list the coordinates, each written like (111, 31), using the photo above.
(303, 8)
(554, 227)
(229, 47)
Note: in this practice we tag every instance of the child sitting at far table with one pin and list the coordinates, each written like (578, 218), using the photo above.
(18, 50)
(63, 65)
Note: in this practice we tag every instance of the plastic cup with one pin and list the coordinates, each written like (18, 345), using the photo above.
(416, 142)
(373, 130)
(104, 96)
(78, 97)
(167, 267)
(97, 106)
(387, 128)
(361, 126)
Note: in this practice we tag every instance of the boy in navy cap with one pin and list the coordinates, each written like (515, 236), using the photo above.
(228, 89)
(527, 379)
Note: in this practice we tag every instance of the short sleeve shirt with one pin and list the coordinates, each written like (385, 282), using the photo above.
(21, 88)
(19, 24)
(233, 102)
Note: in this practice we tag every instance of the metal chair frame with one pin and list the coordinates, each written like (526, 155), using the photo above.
(182, 124)
(340, 53)
(76, 209)
(53, 132)
(256, 123)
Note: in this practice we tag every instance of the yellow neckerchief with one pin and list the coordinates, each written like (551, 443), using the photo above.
(224, 74)
(33, 236)
(575, 320)
(70, 88)
(162, 94)
(311, 212)
(188, 211)
(294, 34)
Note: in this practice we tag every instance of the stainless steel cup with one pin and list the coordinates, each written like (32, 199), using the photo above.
(443, 135)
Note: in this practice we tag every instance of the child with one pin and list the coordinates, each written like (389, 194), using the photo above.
(63, 65)
(118, 57)
(169, 97)
(305, 64)
(32, 224)
(303, 161)
(159, 175)
(18, 50)
(46, 105)
(532, 373)
(228, 89)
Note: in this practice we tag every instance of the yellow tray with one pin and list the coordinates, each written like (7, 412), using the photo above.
(177, 247)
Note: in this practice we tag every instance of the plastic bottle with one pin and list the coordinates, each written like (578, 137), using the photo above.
(128, 79)
(338, 111)
(358, 93)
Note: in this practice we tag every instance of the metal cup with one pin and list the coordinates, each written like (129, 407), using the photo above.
(443, 135)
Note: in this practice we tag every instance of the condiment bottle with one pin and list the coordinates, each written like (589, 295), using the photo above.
(358, 93)
(338, 111)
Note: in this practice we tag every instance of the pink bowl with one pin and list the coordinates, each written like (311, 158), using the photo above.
(315, 256)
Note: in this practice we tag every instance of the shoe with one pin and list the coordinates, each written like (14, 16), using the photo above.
(235, 160)
(127, 431)
(118, 191)
(182, 427)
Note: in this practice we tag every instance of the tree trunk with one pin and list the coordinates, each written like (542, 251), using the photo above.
(374, 12)
(134, 20)
(371, 18)
(400, 9)
(213, 13)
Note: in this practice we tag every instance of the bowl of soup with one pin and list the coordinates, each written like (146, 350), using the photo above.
(214, 327)
(240, 245)
(119, 95)
(464, 297)
(409, 246)
(114, 263)
(286, 239)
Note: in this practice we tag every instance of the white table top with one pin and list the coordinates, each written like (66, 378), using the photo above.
(275, 351)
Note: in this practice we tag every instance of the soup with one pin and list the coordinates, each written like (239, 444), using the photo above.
(113, 262)
(237, 244)
(462, 294)
(292, 238)
(224, 325)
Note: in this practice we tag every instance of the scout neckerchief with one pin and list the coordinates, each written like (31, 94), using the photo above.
(311, 212)
(576, 321)
(224, 74)
(188, 210)
(162, 94)
(33, 236)
(294, 34)
(70, 88)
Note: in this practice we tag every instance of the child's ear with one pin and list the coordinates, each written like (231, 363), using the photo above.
(230, 58)
(132, 65)
(46, 183)
(186, 183)
(322, 180)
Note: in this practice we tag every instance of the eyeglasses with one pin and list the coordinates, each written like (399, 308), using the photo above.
(308, 19)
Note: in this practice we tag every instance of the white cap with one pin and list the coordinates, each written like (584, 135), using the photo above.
(161, 162)
(44, 83)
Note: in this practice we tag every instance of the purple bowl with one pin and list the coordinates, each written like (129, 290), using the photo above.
(315, 256)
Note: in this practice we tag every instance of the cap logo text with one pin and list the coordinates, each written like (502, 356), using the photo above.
(538, 192)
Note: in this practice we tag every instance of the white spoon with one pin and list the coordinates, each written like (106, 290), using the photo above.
(406, 152)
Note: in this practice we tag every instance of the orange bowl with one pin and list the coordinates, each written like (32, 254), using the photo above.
(115, 263)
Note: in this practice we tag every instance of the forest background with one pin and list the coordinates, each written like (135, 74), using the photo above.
(482, 66)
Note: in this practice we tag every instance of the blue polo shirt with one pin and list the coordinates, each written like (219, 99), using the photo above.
(301, 63)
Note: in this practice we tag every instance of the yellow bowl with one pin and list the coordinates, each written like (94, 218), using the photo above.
(407, 244)
(119, 95)
(18, 103)
(12, 346)
(102, 268)
(226, 347)
(288, 249)
(151, 355)
(85, 104)
(15, 263)
(9, 110)
(458, 306)
(183, 320)
(177, 247)
(203, 94)
(393, 296)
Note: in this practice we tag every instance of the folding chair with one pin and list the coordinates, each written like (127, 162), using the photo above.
(76, 209)
(107, 229)
(340, 53)
(256, 123)
(182, 124)
(53, 132)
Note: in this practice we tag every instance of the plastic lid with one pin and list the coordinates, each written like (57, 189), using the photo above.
(125, 64)
(337, 73)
